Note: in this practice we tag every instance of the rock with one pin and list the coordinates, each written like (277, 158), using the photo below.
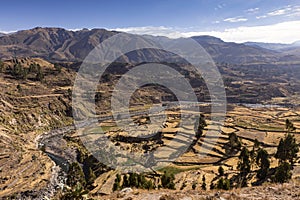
(126, 190)
(186, 198)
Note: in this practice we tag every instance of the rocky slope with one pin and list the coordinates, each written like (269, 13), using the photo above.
(28, 108)
(271, 192)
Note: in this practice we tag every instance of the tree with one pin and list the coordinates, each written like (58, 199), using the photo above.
(1, 66)
(19, 88)
(283, 173)
(116, 185)
(167, 180)
(253, 152)
(75, 175)
(75, 193)
(33, 68)
(19, 72)
(199, 126)
(91, 177)
(39, 74)
(262, 160)
(244, 166)
(234, 141)
(221, 171)
(133, 179)
(223, 184)
(141, 181)
(57, 67)
(148, 185)
(194, 185)
(287, 149)
(126, 182)
(289, 126)
(203, 186)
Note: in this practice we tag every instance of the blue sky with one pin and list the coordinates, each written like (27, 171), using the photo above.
(232, 20)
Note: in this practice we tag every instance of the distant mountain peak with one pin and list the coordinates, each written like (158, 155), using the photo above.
(274, 46)
(207, 38)
(297, 43)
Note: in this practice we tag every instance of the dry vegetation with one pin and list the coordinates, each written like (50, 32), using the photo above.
(31, 106)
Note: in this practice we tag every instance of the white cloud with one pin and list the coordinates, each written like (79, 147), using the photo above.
(152, 30)
(261, 17)
(285, 32)
(235, 19)
(7, 32)
(252, 10)
(288, 11)
(280, 11)
(295, 12)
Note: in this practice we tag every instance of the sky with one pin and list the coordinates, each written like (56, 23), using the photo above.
(231, 20)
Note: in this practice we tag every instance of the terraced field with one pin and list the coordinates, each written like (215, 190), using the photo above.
(266, 124)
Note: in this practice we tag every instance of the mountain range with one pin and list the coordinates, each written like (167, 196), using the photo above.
(58, 44)
(274, 46)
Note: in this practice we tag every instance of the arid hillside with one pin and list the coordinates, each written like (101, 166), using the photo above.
(43, 155)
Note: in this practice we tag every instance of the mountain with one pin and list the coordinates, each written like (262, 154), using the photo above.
(2, 34)
(288, 50)
(274, 46)
(235, 53)
(52, 43)
(271, 46)
(58, 44)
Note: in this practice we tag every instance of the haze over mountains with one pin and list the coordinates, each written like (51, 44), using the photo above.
(57, 44)
(274, 46)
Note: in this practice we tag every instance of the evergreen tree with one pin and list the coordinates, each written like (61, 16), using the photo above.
(203, 186)
(194, 185)
(234, 141)
(33, 68)
(289, 126)
(148, 185)
(75, 175)
(287, 149)
(141, 181)
(244, 166)
(199, 126)
(253, 152)
(133, 179)
(39, 74)
(167, 180)
(19, 72)
(57, 67)
(262, 160)
(221, 171)
(75, 193)
(1, 66)
(126, 182)
(223, 184)
(283, 173)
(117, 183)
(91, 177)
